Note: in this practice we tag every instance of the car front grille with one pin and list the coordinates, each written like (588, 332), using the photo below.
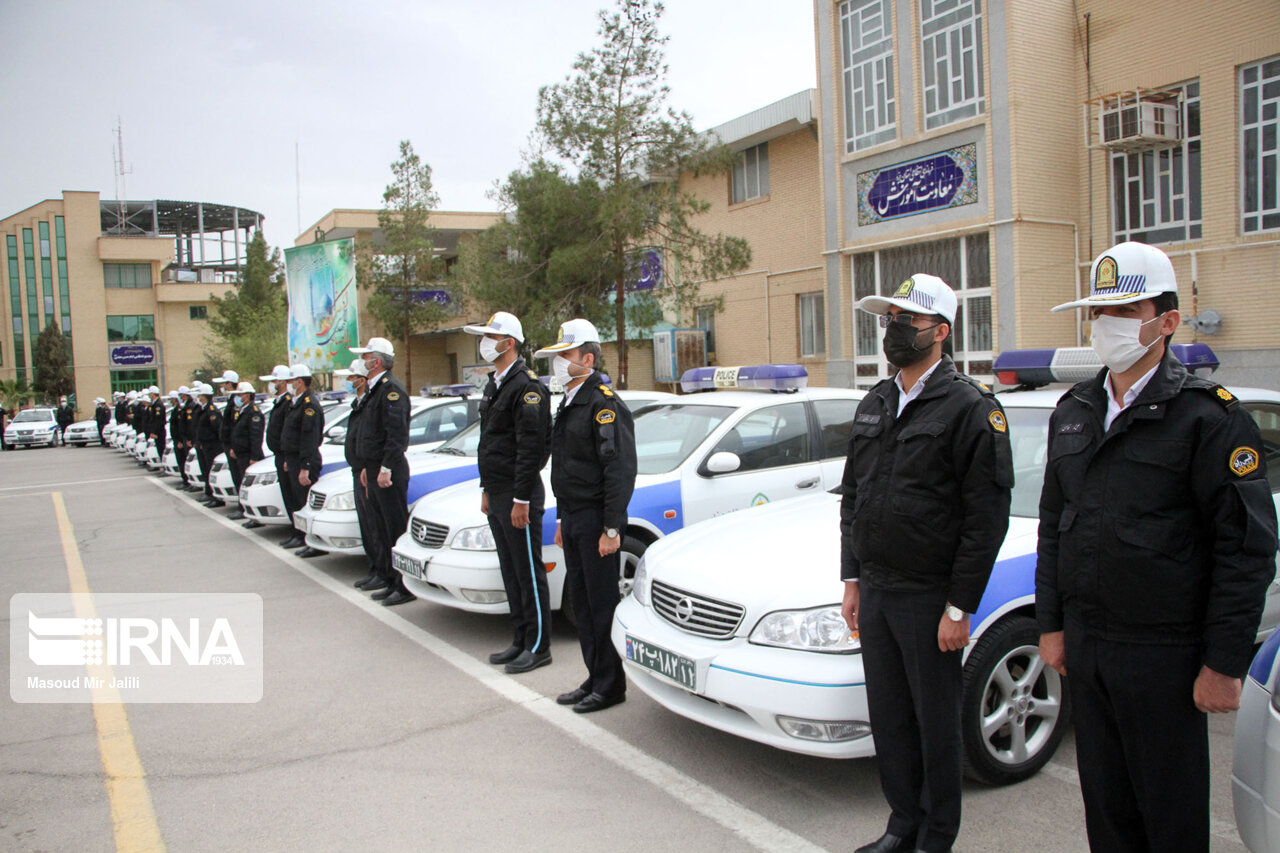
(317, 499)
(428, 534)
(697, 614)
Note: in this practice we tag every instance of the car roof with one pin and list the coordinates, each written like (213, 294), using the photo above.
(761, 399)
(1047, 398)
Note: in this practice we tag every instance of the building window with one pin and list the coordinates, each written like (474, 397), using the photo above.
(199, 312)
(1157, 192)
(965, 264)
(132, 380)
(813, 325)
(705, 318)
(15, 310)
(951, 56)
(131, 327)
(751, 174)
(127, 275)
(1260, 126)
(866, 48)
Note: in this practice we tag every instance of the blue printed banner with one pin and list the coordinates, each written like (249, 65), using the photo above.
(935, 182)
(131, 355)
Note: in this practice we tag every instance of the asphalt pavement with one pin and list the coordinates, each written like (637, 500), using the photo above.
(386, 729)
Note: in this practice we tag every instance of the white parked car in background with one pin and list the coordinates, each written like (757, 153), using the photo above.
(33, 428)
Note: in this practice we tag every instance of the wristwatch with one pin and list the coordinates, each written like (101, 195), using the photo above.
(611, 532)
(955, 614)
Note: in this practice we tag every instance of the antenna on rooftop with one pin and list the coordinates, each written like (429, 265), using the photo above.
(120, 172)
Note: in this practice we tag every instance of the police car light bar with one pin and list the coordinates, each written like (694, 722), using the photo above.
(761, 377)
(1036, 367)
(333, 395)
(463, 389)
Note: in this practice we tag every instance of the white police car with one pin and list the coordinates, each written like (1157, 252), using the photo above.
(329, 519)
(432, 421)
(82, 433)
(1255, 773)
(698, 456)
(36, 427)
(735, 623)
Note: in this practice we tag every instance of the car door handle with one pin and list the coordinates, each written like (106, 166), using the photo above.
(808, 484)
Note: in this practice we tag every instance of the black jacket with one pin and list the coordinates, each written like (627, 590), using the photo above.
(188, 424)
(384, 430)
(122, 413)
(246, 433)
(515, 433)
(66, 416)
(275, 422)
(102, 415)
(228, 421)
(1161, 530)
(351, 442)
(156, 417)
(303, 431)
(593, 453)
(209, 427)
(925, 501)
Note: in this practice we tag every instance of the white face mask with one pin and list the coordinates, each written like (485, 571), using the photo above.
(1116, 341)
(489, 350)
(560, 367)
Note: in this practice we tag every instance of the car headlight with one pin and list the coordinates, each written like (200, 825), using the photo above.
(474, 539)
(268, 479)
(341, 501)
(640, 584)
(820, 629)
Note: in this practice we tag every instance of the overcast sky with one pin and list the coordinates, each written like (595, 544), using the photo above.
(213, 97)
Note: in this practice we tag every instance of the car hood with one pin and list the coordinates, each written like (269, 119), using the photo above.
(778, 556)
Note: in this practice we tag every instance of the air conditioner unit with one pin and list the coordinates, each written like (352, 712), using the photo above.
(1135, 121)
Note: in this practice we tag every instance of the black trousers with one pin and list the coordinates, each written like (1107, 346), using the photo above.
(592, 584)
(160, 445)
(1142, 748)
(390, 513)
(370, 536)
(205, 454)
(296, 496)
(913, 695)
(286, 493)
(101, 439)
(525, 581)
(180, 452)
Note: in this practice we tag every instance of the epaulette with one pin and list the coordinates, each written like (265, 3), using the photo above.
(1222, 395)
(982, 387)
(532, 375)
(606, 390)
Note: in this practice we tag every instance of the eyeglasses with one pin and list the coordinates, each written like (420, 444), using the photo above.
(903, 319)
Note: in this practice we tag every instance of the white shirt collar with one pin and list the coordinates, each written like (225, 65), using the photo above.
(1113, 408)
(573, 392)
(498, 377)
(905, 396)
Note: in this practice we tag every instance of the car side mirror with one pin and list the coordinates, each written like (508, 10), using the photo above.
(724, 462)
(337, 434)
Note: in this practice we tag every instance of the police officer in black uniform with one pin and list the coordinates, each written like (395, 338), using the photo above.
(157, 420)
(1157, 543)
(208, 441)
(119, 408)
(177, 417)
(515, 443)
(300, 440)
(924, 511)
(384, 436)
(593, 473)
(138, 412)
(370, 537)
(246, 435)
(101, 415)
(278, 384)
(66, 416)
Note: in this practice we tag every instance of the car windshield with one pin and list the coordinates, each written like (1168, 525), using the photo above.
(336, 414)
(1029, 438)
(667, 434)
(30, 416)
(465, 443)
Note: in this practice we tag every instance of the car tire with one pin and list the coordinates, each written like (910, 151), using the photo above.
(632, 550)
(1015, 709)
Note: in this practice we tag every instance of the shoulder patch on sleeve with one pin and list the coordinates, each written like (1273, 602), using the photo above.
(605, 416)
(533, 398)
(310, 411)
(393, 396)
(1244, 460)
(997, 421)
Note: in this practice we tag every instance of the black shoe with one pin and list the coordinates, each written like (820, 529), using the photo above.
(596, 702)
(215, 503)
(888, 843)
(252, 524)
(376, 585)
(507, 655)
(194, 489)
(528, 660)
(400, 596)
(294, 541)
(181, 486)
(573, 697)
(385, 592)
(308, 552)
(238, 515)
(365, 581)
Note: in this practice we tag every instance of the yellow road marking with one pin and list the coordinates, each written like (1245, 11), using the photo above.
(133, 816)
